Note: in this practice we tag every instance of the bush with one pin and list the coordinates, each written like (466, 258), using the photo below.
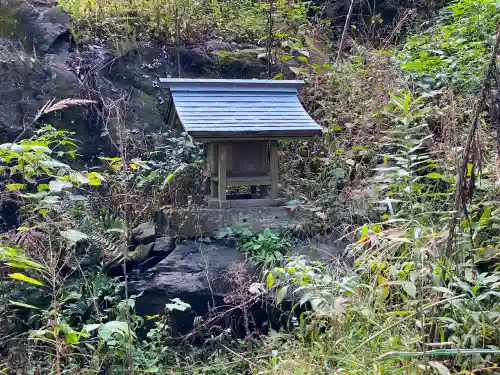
(239, 20)
(456, 48)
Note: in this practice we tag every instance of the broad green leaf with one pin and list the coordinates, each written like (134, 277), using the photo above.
(443, 290)
(17, 265)
(437, 352)
(26, 279)
(107, 330)
(41, 148)
(383, 290)
(51, 199)
(25, 305)
(410, 289)
(173, 174)
(364, 232)
(434, 175)
(270, 280)
(152, 370)
(77, 198)
(90, 327)
(487, 295)
(95, 179)
(280, 294)
(304, 299)
(401, 313)
(11, 187)
(114, 160)
(79, 178)
(177, 305)
(58, 185)
(71, 337)
(465, 287)
(37, 196)
(440, 367)
(490, 279)
(54, 164)
(169, 178)
(470, 167)
(72, 296)
(14, 147)
(73, 235)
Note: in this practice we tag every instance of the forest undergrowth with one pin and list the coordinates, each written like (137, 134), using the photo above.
(407, 171)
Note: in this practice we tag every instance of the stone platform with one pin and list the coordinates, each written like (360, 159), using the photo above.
(203, 221)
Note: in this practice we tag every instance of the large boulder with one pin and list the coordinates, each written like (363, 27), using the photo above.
(200, 274)
(144, 233)
(214, 279)
(26, 84)
(39, 24)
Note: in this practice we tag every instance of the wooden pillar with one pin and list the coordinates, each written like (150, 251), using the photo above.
(273, 167)
(222, 172)
(213, 169)
(265, 161)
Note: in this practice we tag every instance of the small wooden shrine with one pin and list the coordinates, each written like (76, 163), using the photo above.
(240, 123)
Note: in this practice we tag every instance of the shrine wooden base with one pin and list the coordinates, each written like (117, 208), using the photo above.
(244, 203)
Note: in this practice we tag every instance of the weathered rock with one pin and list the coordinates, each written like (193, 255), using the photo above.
(44, 26)
(217, 45)
(52, 24)
(164, 245)
(144, 234)
(324, 250)
(9, 214)
(147, 250)
(23, 85)
(196, 273)
(239, 63)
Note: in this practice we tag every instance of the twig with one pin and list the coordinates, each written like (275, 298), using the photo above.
(472, 132)
(344, 33)
(399, 25)
(178, 41)
(243, 358)
(270, 37)
(125, 237)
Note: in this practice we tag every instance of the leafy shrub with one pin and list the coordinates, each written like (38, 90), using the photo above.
(266, 247)
(233, 20)
(410, 178)
(33, 169)
(456, 48)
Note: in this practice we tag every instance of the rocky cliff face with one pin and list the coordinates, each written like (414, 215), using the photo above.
(39, 62)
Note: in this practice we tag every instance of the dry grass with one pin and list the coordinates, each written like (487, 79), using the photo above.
(53, 106)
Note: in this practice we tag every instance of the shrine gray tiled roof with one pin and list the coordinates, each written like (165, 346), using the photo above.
(220, 108)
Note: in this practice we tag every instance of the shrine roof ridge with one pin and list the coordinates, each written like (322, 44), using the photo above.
(231, 85)
(237, 108)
